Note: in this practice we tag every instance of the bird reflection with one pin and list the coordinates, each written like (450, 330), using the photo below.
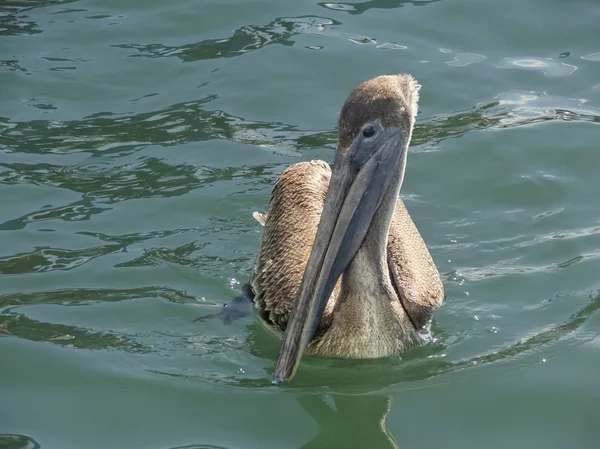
(349, 421)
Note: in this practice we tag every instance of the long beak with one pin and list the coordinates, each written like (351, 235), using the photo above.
(361, 177)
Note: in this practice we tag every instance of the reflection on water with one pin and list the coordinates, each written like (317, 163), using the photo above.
(250, 38)
(548, 66)
(89, 296)
(13, 21)
(48, 259)
(244, 40)
(361, 7)
(21, 326)
(465, 59)
(16, 441)
(11, 26)
(113, 134)
(592, 57)
(349, 421)
(536, 341)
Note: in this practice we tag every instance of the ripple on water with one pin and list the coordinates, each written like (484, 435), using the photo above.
(392, 46)
(548, 66)
(465, 59)
(339, 6)
(531, 107)
(361, 7)
(222, 355)
(244, 40)
(242, 355)
(592, 57)
(198, 446)
(76, 337)
(18, 441)
(250, 38)
(119, 135)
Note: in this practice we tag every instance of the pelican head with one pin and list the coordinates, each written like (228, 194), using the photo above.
(374, 131)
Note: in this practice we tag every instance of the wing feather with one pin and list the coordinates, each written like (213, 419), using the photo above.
(289, 232)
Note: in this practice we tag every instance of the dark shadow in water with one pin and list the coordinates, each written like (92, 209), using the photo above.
(18, 325)
(102, 130)
(118, 134)
(13, 22)
(359, 8)
(11, 25)
(76, 211)
(49, 259)
(101, 187)
(44, 259)
(79, 296)
(12, 65)
(244, 40)
(17, 441)
(349, 421)
(17, 6)
(192, 255)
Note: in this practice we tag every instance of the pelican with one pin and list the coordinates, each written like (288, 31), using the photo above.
(342, 270)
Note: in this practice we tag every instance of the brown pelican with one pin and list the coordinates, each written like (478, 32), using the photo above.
(342, 270)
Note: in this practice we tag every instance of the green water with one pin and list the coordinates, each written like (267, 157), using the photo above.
(138, 136)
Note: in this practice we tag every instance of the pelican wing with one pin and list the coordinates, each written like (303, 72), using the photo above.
(413, 272)
(290, 228)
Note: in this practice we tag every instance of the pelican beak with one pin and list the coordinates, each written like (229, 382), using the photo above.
(360, 178)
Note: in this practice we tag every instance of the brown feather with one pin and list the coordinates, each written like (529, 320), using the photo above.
(294, 213)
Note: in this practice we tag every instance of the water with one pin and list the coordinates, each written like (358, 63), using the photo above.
(137, 138)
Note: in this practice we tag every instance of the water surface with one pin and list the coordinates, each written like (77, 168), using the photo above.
(137, 138)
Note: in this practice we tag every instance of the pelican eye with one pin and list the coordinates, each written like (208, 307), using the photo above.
(369, 131)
